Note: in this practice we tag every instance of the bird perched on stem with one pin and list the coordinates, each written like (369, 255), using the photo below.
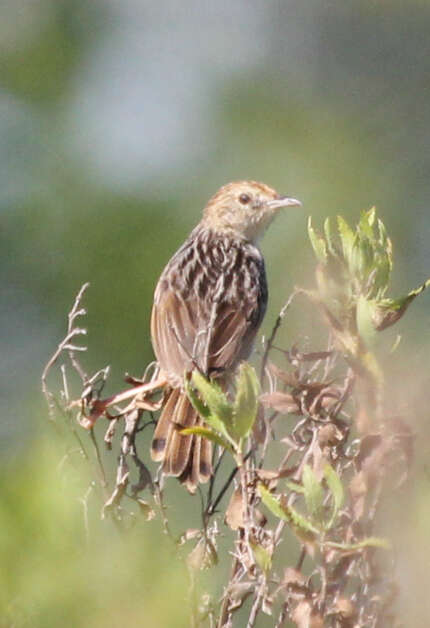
(208, 305)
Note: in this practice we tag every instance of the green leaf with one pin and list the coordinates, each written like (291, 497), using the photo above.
(214, 398)
(384, 241)
(389, 311)
(367, 220)
(347, 237)
(245, 406)
(204, 411)
(371, 541)
(365, 313)
(196, 402)
(329, 237)
(205, 432)
(299, 522)
(383, 261)
(262, 556)
(414, 293)
(294, 486)
(286, 513)
(318, 243)
(336, 489)
(367, 260)
(357, 259)
(382, 275)
(272, 503)
(314, 494)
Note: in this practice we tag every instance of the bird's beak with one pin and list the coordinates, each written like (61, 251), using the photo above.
(283, 201)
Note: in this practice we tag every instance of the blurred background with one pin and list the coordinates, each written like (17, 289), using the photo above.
(118, 120)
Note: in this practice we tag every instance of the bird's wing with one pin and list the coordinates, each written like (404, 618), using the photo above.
(209, 334)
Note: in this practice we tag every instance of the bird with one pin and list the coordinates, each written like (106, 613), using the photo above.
(208, 305)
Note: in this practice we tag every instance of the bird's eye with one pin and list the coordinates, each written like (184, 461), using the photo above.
(244, 199)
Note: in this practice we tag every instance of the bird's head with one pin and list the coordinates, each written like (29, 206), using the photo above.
(244, 209)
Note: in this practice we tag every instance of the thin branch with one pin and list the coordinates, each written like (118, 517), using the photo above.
(102, 474)
(65, 345)
(211, 508)
(275, 329)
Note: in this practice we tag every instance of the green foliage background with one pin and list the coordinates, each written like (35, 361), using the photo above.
(117, 122)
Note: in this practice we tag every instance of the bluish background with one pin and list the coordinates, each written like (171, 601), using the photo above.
(118, 120)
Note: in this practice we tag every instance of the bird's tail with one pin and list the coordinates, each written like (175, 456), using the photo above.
(188, 457)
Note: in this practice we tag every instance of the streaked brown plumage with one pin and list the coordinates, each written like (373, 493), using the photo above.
(208, 305)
